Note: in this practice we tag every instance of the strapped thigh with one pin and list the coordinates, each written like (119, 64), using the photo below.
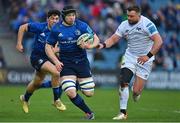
(126, 75)
(87, 84)
(68, 84)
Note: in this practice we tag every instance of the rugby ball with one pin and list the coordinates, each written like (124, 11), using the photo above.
(86, 37)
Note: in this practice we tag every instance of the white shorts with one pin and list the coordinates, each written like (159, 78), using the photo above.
(130, 61)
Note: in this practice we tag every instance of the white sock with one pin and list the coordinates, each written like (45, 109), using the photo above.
(124, 96)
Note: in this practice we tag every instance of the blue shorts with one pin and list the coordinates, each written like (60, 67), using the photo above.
(80, 69)
(37, 61)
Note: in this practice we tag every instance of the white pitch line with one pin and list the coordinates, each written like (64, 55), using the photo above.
(157, 110)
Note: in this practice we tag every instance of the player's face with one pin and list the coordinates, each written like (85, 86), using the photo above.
(70, 18)
(133, 17)
(52, 20)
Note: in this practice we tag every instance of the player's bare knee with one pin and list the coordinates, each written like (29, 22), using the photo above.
(71, 93)
(137, 91)
(88, 93)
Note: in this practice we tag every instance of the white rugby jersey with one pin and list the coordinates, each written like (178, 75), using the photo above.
(138, 35)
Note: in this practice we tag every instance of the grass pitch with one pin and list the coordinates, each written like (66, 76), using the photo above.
(154, 106)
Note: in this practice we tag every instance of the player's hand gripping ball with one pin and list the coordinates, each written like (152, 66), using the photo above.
(85, 40)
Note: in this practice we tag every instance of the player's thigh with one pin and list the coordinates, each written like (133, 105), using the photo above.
(142, 74)
(68, 84)
(138, 84)
(50, 68)
(143, 71)
(87, 86)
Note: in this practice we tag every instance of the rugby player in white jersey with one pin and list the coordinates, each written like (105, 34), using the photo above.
(144, 42)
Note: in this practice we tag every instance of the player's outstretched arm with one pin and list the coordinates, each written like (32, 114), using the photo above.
(50, 53)
(22, 29)
(109, 42)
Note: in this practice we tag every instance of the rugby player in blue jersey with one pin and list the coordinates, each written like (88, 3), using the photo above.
(73, 62)
(39, 59)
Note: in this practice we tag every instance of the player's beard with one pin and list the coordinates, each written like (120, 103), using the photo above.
(132, 22)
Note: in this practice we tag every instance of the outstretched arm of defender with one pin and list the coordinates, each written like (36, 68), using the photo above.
(22, 29)
(109, 42)
(52, 56)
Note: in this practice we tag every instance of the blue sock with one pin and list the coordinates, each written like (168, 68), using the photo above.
(46, 84)
(79, 102)
(77, 86)
(27, 95)
(56, 93)
(60, 91)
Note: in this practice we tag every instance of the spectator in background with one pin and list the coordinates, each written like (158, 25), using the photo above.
(102, 15)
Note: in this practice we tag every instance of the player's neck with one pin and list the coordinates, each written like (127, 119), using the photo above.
(64, 23)
(49, 27)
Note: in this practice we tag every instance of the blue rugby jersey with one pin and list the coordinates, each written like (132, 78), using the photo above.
(41, 32)
(67, 37)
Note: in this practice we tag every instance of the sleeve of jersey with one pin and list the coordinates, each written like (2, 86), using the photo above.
(87, 28)
(119, 30)
(151, 29)
(34, 27)
(51, 39)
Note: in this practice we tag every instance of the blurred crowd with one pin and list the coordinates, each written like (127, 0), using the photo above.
(104, 16)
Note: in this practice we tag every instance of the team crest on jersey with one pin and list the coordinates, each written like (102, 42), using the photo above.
(77, 32)
(43, 34)
(60, 35)
(138, 28)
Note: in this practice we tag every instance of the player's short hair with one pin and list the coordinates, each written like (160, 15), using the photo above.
(66, 10)
(135, 8)
(53, 12)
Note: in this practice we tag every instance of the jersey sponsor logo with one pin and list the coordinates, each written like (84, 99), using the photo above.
(40, 61)
(152, 29)
(68, 42)
(69, 38)
(60, 35)
(43, 34)
(77, 32)
(42, 41)
(149, 24)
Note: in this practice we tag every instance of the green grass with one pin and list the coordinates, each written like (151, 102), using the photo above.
(154, 105)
